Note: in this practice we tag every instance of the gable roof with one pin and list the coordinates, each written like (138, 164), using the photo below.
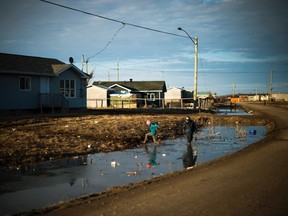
(117, 86)
(31, 65)
(143, 86)
(176, 88)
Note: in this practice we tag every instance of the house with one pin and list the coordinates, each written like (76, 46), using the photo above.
(131, 94)
(173, 97)
(29, 83)
(178, 97)
(97, 97)
(205, 100)
(124, 97)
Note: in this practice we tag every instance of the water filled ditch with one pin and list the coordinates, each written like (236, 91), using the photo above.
(46, 183)
(232, 111)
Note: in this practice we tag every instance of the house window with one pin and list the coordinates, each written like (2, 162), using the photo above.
(67, 88)
(25, 83)
(151, 96)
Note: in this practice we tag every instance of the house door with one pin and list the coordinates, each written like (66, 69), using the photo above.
(44, 85)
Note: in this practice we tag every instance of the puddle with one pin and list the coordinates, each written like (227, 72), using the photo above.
(46, 183)
(232, 111)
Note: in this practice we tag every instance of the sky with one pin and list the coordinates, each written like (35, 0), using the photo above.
(241, 43)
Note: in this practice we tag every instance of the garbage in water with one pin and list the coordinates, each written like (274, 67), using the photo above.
(23, 189)
(113, 163)
(253, 132)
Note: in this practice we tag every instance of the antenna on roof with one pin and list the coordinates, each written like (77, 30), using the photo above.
(71, 60)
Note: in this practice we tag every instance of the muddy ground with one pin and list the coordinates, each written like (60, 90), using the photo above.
(31, 138)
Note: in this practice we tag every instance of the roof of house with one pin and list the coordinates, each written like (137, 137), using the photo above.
(144, 86)
(31, 65)
(175, 88)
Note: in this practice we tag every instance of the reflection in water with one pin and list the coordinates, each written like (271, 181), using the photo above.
(189, 157)
(42, 167)
(151, 156)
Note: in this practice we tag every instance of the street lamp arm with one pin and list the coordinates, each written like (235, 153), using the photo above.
(180, 29)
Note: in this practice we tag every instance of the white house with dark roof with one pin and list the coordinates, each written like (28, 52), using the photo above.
(130, 94)
(29, 83)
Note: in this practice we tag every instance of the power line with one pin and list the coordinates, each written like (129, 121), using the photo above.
(202, 72)
(113, 20)
(243, 72)
(107, 43)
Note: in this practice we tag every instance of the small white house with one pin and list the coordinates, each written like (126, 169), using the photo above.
(174, 93)
(97, 97)
(173, 97)
(176, 97)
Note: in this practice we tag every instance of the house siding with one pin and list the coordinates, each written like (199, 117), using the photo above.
(173, 93)
(178, 97)
(80, 98)
(173, 97)
(96, 97)
(12, 96)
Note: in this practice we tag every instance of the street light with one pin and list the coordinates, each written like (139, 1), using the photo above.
(195, 42)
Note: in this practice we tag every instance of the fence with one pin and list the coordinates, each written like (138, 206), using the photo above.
(184, 103)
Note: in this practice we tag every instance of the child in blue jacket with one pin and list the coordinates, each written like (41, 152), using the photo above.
(152, 132)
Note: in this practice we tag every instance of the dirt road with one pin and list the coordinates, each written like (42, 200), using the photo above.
(251, 182)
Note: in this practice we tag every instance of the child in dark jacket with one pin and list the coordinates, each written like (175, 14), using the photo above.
(189, 128)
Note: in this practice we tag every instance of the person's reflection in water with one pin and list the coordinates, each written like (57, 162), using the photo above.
(151, 156)
(189, 157)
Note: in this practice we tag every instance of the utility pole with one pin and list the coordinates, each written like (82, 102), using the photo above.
(195, 71)
(87, 66)
(195, 41)
(117, 75)
(233, 89)
(85, 61)
(271, 80)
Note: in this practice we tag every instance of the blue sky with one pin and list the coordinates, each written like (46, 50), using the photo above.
(240, 41)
